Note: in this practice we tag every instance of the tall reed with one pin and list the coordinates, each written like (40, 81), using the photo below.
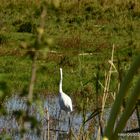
(111, 132)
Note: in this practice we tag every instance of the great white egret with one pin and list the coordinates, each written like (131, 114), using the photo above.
(65, 101)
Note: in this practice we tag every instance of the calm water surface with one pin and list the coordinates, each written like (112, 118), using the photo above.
(58, 126)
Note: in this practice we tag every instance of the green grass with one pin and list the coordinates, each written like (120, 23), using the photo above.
(84, 27)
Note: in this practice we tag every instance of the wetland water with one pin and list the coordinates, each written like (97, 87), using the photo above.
(58, 127)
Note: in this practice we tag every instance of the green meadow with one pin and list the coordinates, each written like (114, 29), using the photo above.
(79, 35)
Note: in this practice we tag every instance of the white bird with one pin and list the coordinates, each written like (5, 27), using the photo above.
(65, 101)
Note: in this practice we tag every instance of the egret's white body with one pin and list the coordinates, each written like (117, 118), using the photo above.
(65, 101)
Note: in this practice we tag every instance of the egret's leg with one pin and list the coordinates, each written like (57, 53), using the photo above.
(69, 122)
(59, 114)
(58, 125)
(59, 119)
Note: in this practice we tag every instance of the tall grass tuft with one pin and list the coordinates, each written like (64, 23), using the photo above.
(106, 88)
(111, 132)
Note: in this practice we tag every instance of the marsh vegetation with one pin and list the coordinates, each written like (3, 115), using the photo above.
(95, 42)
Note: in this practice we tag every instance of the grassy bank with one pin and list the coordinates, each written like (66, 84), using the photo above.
(75, 28)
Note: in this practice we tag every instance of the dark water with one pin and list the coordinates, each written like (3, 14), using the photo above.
(58, 127)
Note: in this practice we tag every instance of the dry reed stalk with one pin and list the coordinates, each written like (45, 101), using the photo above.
(106, 87)
(48, 118)
(35, 53)
(33, 77)
(98, 134)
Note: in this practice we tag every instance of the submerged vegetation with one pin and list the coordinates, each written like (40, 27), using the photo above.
(79, 35)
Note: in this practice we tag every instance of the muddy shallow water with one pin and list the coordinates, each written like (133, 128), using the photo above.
(58, 127)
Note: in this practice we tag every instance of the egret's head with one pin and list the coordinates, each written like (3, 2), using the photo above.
(60, 69)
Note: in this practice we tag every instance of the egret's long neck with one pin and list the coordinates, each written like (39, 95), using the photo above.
(60, 84)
